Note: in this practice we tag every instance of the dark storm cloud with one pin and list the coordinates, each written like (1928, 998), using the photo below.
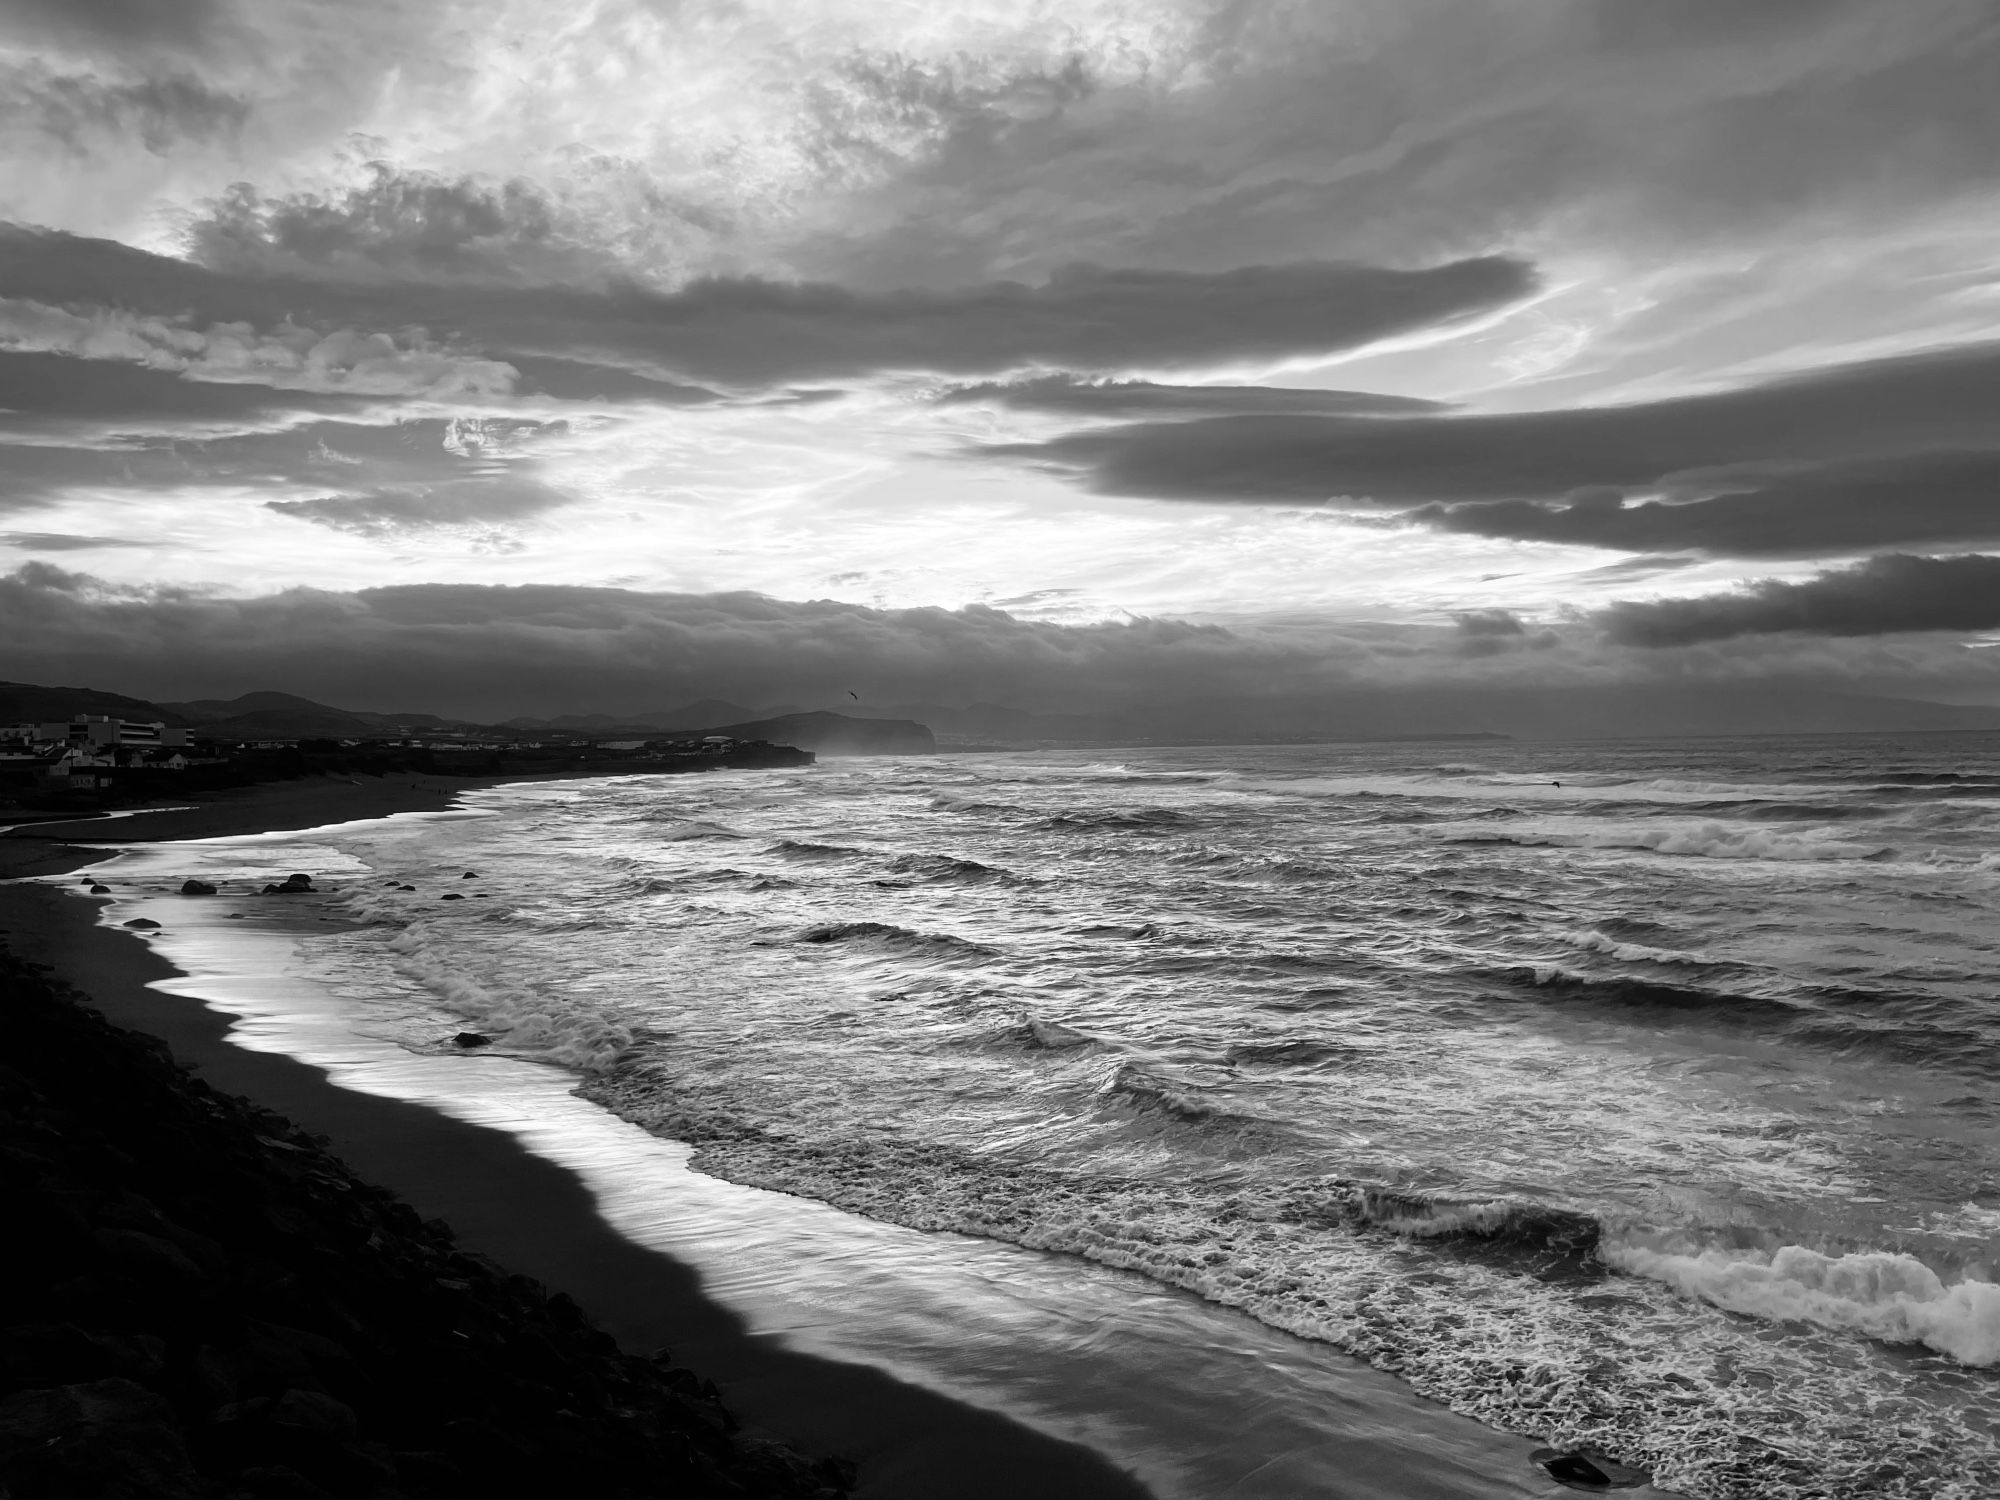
(1882, 596)
(1124, 398)
(1878, 453)
(757, 332)
(460, 503)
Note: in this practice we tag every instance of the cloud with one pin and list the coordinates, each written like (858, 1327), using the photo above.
(1069, 395)
(489, 652)
(1433, 126)
(757, 332)
(1927, 498)
(1874, 453)
(50, 395)
(483, 504)
(1489, 622)
(399, 225)
(280, 457)
(1882, 596)
(76, 112)
(284, 355)
(57, 541)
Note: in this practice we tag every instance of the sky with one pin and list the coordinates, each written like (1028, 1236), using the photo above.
(524, 357)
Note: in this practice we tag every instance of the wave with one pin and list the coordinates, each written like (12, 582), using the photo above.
(679, 830)
(943, 868)
(1762, 810)
(804, 850)
(975, 805)
(1596, 940)
(1142, 818)
(1294, 1052)
(1705, 841)
(1883, 1294)
(887, 935)
(1136, 1087)
(1552, 1236)
(523, 1022)
(660, 885)
(1036, 1035)
(1454, 1294)
(1931, 1031)
(1644, 994)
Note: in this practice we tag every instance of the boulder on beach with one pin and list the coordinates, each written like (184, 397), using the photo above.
(470, 875)
(451, 896)
(295, 885)
(144, 924)
(196, 888)
(100, 890)
(1592, 1472)
(471, 1039)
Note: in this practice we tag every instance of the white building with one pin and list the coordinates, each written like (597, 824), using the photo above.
(97, 730)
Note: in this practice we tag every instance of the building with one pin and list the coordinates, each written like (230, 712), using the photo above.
(96, 730)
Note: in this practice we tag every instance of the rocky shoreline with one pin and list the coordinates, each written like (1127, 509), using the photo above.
(205, 1304)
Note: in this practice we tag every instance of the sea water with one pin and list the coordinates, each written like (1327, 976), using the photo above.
(1633, 1095)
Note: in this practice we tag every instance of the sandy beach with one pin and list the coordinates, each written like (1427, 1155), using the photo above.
(531, 1216)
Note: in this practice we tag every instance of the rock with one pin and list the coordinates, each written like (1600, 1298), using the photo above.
(453, 896)
(108, 1438)
(143, 924)
(313, 1411)
(100, 890)
(197, 888)
(471, 1039)
(470, 875)
(1593, 1473)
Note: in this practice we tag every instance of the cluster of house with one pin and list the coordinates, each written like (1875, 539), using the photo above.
(90, 749)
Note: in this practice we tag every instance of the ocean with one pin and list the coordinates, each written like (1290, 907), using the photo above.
(1634, 1095)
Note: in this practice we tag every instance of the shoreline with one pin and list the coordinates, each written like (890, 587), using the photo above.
(531, 1215)
(912, 1435)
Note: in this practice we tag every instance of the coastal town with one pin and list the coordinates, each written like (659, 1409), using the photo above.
(89, 761)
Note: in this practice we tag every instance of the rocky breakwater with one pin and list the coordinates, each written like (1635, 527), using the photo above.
(199, 1301)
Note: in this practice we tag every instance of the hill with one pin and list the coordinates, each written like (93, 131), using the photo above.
(25, 702)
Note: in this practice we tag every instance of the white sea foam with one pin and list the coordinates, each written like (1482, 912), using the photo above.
(1594, 941)
(1884, 1295)
(544, 1028)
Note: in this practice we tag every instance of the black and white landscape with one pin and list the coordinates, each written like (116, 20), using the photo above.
(1176, 747)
